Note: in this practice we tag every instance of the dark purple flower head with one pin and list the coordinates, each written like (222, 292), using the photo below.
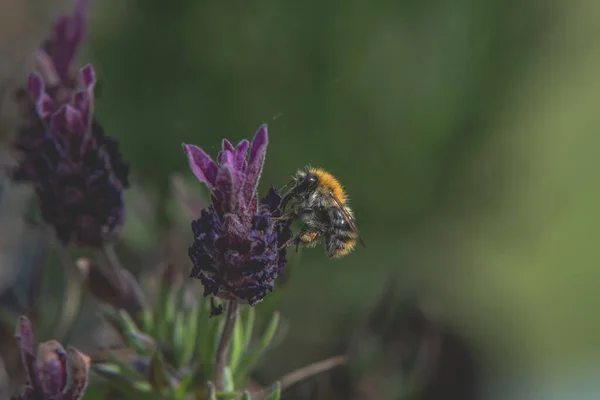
(54, 64)
(236, 248)
(77, 171)
(53, 373)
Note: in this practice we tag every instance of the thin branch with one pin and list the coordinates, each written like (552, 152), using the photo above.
(223, 346)
(303, 373)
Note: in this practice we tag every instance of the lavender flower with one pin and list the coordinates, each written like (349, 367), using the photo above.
(78, 172)
(54, 58)
(53, 373)
(236, 252)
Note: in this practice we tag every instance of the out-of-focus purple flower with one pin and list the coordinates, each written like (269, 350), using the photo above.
(236, 251)
(54, 64)
(78, 173)
(53, 373)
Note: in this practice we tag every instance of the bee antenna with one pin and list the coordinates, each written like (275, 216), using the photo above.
(286, 185)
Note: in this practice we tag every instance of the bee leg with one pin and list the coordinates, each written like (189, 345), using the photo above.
(306, 237)
(289, 243)
(283, 217)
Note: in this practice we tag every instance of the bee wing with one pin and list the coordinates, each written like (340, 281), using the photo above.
(287, 196)
(348, 217)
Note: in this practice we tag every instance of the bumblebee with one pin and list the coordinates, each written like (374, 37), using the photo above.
(319, 202)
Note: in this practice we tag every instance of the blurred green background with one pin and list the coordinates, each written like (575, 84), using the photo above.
(465, 132)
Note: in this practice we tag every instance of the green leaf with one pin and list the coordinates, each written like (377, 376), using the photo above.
(210, 347)
(119, 377)
(127, 322)
(248, 320)
(276, 393)
(97, 392)
(202, 329)
(227, 395)
(131, 332)
(169, 314)
(143, 387)
(189, 339)
(228, 380)
(116, 383)
(181, 391)
(145, 344)
(235, 346)
(254, 353)
(179, 337)
(159, 327)
(146, 319)
(157, 375)
(246, 396)
(122, 368)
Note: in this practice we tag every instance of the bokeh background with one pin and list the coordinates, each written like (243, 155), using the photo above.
(465, 132)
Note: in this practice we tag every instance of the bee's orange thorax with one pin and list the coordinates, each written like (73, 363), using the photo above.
(329, 183)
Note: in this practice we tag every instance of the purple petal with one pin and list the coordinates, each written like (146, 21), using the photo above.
(45, 66)
(68, 120)
(81, 101)
(223, 194)
(258, 151)
(44, 104)
(201, 165)
(35, 86)
(24, 336)
(272, 200)
(68, 34)
(51, 365)
(88, 77)
(79, 365)
(240, 154)
(226, 157)
(226, 145)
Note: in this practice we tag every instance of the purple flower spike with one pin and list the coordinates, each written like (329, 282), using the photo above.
(53, 85)
(53, 373)
(236, 248)
(77, 172)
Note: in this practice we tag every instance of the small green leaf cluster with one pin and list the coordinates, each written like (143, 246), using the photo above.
(171, 350)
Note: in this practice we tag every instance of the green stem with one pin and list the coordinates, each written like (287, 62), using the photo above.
(112, 265)
(73, 291)
(223, 346)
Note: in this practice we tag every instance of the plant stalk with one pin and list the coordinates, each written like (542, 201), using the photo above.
(223, 346)
(303, 373)
(74, 278)
(113, 267)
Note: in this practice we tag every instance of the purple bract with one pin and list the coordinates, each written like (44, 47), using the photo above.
(53, 373)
